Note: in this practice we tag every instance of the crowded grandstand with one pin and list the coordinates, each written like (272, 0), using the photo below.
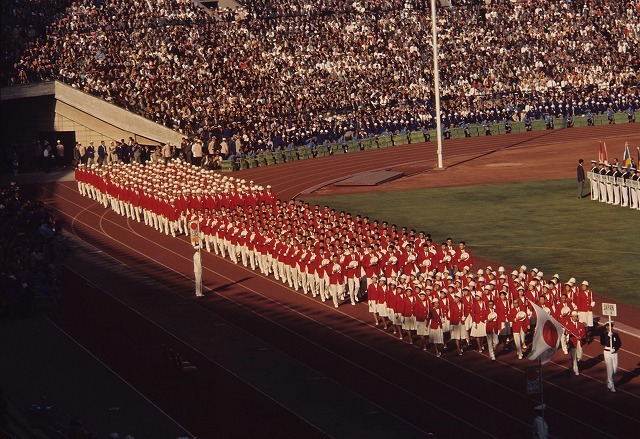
(283, 74)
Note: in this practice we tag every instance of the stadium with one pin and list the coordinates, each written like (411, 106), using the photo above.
(263, 219)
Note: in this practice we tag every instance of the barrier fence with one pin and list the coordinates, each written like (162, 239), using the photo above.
(336, 148)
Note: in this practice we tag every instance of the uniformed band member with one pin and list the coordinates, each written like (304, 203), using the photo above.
(611, 343)
(603, 183)
(610, 186)
(594, 182)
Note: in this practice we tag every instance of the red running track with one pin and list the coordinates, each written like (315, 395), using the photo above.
(451, 396)
(292, 179)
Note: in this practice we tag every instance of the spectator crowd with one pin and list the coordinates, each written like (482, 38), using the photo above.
(291, 73)
(412, 285)
(32, 248)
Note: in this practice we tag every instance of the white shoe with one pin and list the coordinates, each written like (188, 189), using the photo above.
(519, 357)
(609, 386)
(577, 373)
(613, 389)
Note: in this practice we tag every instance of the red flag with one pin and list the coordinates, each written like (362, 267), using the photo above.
(546, 338)
(602, 153)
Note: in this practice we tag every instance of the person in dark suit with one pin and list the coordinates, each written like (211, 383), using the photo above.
(611, 342)
(580, 170)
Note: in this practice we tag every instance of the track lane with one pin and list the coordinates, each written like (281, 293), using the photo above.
(171, 242)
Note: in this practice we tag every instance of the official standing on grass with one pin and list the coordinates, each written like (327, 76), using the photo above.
(197, 270)
(580, 170)
(612, 343)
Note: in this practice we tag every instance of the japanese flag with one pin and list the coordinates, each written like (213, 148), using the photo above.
(546, 338)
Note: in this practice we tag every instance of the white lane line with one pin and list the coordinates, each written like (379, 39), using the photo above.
(119, 377)
(320, 323)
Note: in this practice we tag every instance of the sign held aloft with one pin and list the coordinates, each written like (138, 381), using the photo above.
(609, 309)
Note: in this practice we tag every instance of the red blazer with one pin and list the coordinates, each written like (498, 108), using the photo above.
(435, 318)
(502, 309)
(421, 310)
(576, 332)
(456, 312)
(493, 327)
(480, 311)
(517, 325)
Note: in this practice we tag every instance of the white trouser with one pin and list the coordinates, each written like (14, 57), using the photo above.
(198, 275)
(603, 192)
(518, 340)
(616, 195)
(611, 361)
(594, 190)
(244, 254)
(354, 288)
(564, 343)
(335, 291)
(492, 342)
(624, 193)
(576, 355)
(233, 252)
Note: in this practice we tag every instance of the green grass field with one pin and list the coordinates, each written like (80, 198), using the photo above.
(540, 224)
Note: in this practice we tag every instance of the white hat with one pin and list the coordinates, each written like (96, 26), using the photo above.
(574, 313)
(584, 282)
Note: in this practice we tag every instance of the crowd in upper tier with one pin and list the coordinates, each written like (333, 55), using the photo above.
(284, 72)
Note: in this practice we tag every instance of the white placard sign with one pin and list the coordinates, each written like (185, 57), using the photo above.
(609, 309)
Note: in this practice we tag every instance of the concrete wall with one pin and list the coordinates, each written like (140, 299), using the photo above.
(53, 106)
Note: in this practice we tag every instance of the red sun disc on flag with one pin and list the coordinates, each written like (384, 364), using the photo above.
(193, 226)
(550, 334)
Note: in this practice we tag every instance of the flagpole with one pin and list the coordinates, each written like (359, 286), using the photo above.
(610, 338)
(541, 388)
(436, 81)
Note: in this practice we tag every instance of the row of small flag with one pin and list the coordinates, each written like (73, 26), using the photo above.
(603, 156)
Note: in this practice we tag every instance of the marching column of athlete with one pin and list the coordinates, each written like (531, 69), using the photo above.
(418, 289)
